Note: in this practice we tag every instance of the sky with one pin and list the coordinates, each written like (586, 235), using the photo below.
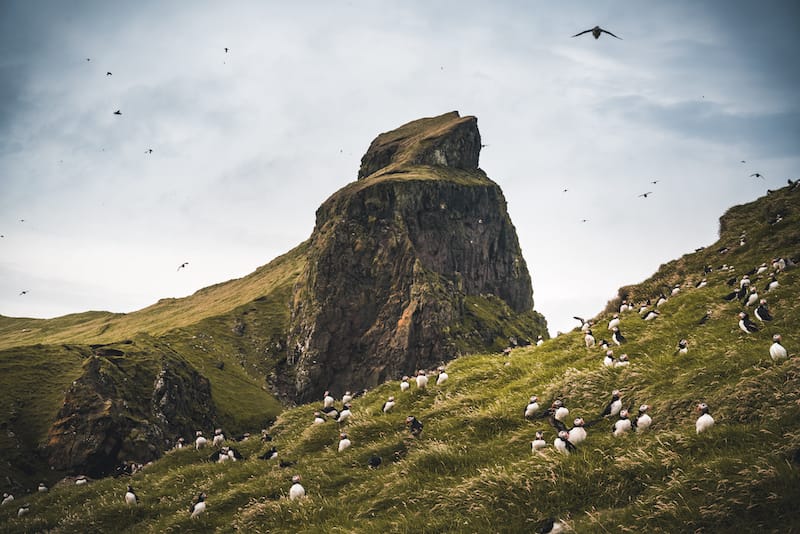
(246, 144)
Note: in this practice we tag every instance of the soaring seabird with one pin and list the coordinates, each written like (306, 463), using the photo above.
(596, 31)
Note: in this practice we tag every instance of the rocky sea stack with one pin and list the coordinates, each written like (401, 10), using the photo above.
(409, 266)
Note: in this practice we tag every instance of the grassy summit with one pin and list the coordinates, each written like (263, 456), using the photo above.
(472, 469)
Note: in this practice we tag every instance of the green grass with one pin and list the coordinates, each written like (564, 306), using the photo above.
(472, 469)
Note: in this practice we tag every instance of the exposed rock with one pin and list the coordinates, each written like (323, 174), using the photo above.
(109, 416)
(394, 256)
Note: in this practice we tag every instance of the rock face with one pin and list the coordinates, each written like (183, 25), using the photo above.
(124, 408)
(396, 256)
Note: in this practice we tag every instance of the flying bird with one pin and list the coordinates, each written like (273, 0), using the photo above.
(183, 265)
(118, 112)
(757, 175)
(654, 182)
(596, 31)
(108, 73)
(645, 194)
(148, 151)
(24, 292)
(226, 49)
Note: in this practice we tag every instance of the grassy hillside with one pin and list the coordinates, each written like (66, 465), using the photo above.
(472, 469)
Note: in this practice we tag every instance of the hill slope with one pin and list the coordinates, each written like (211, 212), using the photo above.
(472, 469)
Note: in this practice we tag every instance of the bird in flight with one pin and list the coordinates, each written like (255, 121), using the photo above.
(88, 59)
(118, 112)
(108, 73)
(584, 220)
(226, 49)
(654, 182)
(148, 151)
(565, 190)
(596, 31)
(23, 292)
(645, 194)
(757, 175)
(183, 265)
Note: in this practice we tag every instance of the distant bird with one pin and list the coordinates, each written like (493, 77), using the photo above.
(701, 284)
(562, 443)
(539, 443)
(388, 405)
(347, 397)
(532, 407)
(776, 350)
(414, 424)
(757, 175)
(683, 346)
(24, 509)
(318, 420)
(88, 59)
(651, 315)
(762, 311)
(584, 220)
(183, 265)
(614, 322)
(654, 182)
(645, 194)
(226, 49)
(148, 151)
(772, 284)
(118, 112)
(422, 380)
(585, 325)
(283, 464)
(588, 339)
(622, 361)
(705, 421)
(577, 434)
(404, 385)
(270, 454)
(7, 498)
(108, 73)
(643, 421)
(81, 480)
(297, 491)
(23, 292)
(609, 360)
(745, 324)
(199, 506)
(705, 317)
(561, 412)
(752, 299)
(42, 488)
(442, 377)
(596, 31)
(200, 442)
(623, 425)
(130, 497)
(374, 461)
(344, 442)
(219, 438)
(345, 414)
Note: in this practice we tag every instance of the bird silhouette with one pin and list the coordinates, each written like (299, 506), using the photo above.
(118, 112)
(108, 73)
(183, 265)
(148, 151)
(645, 194)
(757, 175)
(596, 31)
(88, 59)
(23, 292)
(654, 182)
(584, 220)
(226, 49)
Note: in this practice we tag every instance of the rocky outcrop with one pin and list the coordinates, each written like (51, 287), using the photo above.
(393, 257)
(127, 407)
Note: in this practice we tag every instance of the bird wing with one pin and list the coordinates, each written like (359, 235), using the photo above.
(214, 457)
(609, 33)
(578, 318)
(585, 31)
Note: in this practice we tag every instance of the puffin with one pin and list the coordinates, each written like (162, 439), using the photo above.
(219, 438)
(327, 400)
(374, 461)
(347, 397)
(650, 315)
(745, 324)
(617, 336)
(608, 361)
(675, 290)
(345, 414)
(776, 350)
(414, 424)
(683, 346)
(550, 526)
(442, 378)
(661, 301)
(42, 488)
(772, 284)
(538, 443)
(297, 491)
(81, 480)
(331, 412)
(561, 412)
(532, 407)
(585, 325)
(422, 380)
(613, 322)
(179, 443)
(624, 306)
(24, 509)
(577, 433)
(752, 299)
(388, 405)
(762, 311)
(200, 442)
(745, 281)
(701, 284)
(318, 420)
(550, 413)
(588, 339)
(614, 406)
(199, 506)
(562, 443)
(7, 498)
(604, 344)
(705, 318)
(622, 361)
(623, 425)
(344, 442)
(404, 385)
(643, 420)
(762, 269)
(705, 421)
(539, 341)
(270, 454)
(130, 497)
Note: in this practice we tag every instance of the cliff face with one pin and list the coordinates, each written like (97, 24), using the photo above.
(393, 257)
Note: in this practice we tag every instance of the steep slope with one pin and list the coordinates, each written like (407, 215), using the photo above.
(395, 256)
(472, 470)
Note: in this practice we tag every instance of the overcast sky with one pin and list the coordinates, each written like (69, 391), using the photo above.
(247, 144)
